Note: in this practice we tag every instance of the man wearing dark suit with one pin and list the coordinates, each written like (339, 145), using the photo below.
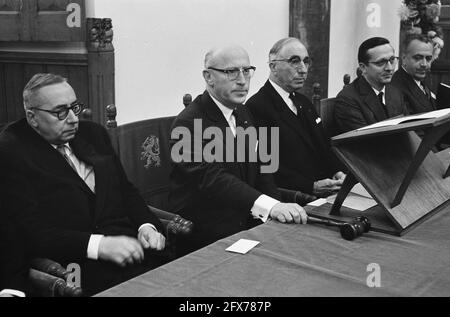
(306, 161)
(410, 77)
(69, 191)
(370, 98)
(222, 196)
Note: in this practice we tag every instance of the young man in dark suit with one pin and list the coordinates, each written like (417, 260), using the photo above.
(306, 161)
(370, 98)
(222, 197)
(69, 190)
(410, 77)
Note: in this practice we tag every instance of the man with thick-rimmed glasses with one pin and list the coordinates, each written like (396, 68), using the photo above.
(306, 161)
(370, 98)
(63, 181)
(223, 197)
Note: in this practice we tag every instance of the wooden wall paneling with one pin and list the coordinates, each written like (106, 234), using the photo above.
(51, 21)
(3, 109)
(309, 21)
(12, 23)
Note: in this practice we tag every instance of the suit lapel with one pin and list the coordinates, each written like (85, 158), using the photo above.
(416, 92)
(50, 159)
(86, 153)
(214, 114)
(371, 99)
(286, 114)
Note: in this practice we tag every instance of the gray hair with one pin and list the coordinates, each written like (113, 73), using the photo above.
(277, 47)
(37, 82)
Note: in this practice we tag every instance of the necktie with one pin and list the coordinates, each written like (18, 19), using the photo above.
(380, 98)
(62, 151)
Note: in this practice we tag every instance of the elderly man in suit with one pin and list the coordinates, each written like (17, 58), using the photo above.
(410, 77)
(370, 98)
(223, 197)
(69, 191)
(306, 161)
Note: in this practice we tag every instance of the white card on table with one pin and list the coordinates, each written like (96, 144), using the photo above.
(242, 246)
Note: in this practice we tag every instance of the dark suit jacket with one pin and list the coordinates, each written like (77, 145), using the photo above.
(416, 101)
(57, 209)
(304, 159)
(216, 196)
(13, 259)
(357, 105)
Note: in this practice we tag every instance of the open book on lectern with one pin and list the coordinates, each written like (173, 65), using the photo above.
(398, 169)
(398, 120)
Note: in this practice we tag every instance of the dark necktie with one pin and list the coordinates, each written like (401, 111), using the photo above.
(380, 98)
(61, 150)
(299, 108)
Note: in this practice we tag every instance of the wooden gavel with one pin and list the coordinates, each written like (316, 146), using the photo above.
(349, 230)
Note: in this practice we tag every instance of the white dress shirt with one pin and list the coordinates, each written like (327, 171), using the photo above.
(285, 96)
(263, 204)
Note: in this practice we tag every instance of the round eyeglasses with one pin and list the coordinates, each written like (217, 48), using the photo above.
(63, 110)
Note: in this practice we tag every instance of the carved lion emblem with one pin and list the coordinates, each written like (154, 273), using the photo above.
(150, 152)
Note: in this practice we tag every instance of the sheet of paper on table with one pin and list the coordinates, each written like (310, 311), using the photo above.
(242, 246)
(358, 199)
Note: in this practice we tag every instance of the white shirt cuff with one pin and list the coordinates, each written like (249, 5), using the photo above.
(262, 207)
(13, 292)
(93, 245)
(147, 224)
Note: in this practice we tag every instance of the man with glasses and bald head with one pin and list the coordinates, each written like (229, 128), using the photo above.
(370, 98)
(63, 181)
(223, 197)
(306, 161)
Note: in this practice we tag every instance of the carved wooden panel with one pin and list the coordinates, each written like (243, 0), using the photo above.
(309, 20)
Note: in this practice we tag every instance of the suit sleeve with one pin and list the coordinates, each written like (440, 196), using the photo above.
(348, 115)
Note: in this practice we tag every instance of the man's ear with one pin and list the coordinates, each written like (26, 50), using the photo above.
(208, 78)
(31, 118)
(272, 67)
(362, 67)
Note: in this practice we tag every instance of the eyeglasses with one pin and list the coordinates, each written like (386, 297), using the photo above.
(295, 61)
(63, 112)
(233, 73)
(382, 63)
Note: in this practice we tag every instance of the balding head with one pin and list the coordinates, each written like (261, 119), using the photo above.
(227, 74)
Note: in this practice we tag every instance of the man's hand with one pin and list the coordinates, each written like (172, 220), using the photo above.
(120, 250)
(339, 176)
(288, 213)
(151, 239)
(326, 187)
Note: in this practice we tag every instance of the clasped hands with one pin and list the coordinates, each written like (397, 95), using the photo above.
(326, 187)
(124, 250)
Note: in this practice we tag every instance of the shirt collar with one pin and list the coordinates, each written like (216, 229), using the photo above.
(418, 83)
(66, 146)
(378, 91)
(283, 93)
(227, 112)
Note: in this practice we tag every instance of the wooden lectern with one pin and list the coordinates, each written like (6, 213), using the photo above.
(400, 171)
